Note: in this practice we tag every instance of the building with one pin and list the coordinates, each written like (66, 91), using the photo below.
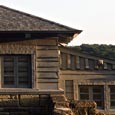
(87, 77)
(34, 67)
(29, 60)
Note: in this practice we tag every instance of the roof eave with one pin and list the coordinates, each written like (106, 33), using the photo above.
(42, 31)
(64, 36)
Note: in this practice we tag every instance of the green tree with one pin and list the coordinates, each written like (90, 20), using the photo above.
(105, 51)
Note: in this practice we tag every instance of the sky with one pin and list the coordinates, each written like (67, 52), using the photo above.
(95, 17)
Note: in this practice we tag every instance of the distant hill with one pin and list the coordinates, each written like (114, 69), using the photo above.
(105, 51)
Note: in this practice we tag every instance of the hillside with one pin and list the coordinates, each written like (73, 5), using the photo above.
(105, 51)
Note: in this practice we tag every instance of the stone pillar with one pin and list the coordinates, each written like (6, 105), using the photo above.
(47, 65)
(106, 104)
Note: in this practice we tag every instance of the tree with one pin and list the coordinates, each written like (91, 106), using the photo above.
(105, 51)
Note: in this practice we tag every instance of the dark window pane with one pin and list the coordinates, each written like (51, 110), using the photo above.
(112, 89)
(97, 90)
(17, 70)
(9, 80)
(97, 96)
(99, 104)
(84, 96)
(84, 89)
(113, 103)
(112, 96)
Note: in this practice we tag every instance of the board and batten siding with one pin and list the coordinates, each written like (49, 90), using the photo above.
(44, 60)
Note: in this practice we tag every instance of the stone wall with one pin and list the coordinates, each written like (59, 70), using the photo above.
(44, 55)
(106, 90)
(83, 70)
(26, 104)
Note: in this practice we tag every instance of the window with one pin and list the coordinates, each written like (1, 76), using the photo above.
(16, 71)
(69, 89)
(112, 97)
(92, 93)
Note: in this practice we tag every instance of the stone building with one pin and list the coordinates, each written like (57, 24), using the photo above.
(87, 77)
(29, 61)
(35, 70)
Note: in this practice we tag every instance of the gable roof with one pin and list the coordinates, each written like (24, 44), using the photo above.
(13, 20)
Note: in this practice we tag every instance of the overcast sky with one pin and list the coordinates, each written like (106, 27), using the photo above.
(95, 17)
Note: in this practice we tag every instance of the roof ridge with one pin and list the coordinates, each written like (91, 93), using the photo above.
(40, 18)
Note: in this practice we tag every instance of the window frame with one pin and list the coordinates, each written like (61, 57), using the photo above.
(113, 93)
(16, 72)
(71, 92)
(91, 94)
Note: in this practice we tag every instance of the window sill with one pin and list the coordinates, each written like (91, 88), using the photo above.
(27, 91)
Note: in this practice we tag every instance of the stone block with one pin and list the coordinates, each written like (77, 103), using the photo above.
(8, 103)
(48, 86)
(29, 100)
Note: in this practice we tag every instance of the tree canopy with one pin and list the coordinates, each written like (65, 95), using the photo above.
(105, 51)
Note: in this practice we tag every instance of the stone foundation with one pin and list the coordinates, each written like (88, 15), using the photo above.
(45, 104)
(26, 104)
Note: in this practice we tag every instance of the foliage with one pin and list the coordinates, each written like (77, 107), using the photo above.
(105, 51)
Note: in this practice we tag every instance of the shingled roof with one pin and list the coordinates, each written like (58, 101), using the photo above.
(13, 20)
